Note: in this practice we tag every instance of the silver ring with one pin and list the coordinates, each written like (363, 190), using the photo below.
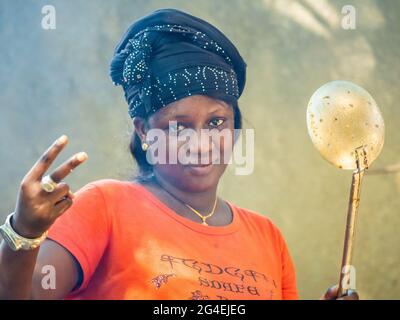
(48, 184)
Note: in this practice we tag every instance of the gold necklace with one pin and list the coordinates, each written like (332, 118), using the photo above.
(203, 218)
(200, 215)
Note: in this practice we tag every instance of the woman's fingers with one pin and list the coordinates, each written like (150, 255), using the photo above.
(351, 295)
(42, 165)
(66, 168)
(62, 206)
(71, 194)
(59, 192)
(332, 292)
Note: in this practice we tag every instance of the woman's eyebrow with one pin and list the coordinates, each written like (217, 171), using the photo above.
(218, 110)
(213, 111)
(185, 116)
(180, 116)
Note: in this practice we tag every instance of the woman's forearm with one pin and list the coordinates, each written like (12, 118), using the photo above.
(16, 271)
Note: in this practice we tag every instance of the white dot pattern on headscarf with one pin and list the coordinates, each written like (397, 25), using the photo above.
(187, 82)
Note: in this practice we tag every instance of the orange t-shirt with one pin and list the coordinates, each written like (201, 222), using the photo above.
(130, 245)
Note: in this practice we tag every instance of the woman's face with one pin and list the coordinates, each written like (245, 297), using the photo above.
(190, 149)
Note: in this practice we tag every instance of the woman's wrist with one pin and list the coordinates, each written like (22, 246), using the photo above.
(21, 229)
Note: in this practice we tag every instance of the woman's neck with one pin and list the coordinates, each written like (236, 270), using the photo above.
(202, 201)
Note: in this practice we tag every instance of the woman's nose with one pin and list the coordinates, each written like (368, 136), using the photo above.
(201, 145)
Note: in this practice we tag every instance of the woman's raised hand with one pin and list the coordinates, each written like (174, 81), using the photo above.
(36, 209)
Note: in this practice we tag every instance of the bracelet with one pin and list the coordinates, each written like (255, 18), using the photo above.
(17, 242)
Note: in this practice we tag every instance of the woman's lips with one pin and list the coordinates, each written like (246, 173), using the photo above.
(200, 169)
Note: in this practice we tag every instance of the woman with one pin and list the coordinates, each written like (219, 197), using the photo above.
(166, 235)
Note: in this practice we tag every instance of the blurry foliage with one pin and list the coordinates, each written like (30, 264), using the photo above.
(55, 82)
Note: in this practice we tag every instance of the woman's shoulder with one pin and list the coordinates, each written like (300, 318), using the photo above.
(251, 214)
(257, 221)
(109, 183)
(115, 183)
(113, 189)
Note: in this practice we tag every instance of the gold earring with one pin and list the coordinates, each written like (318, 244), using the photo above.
(145, 146)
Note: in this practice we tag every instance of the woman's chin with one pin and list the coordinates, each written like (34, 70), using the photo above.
(199, 178)
(192, 178)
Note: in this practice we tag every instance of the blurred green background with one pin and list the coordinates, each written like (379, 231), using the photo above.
(56, 81)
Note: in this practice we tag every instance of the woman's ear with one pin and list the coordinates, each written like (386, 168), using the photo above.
(140, 126)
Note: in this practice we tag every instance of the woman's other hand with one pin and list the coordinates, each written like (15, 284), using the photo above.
(331, 294)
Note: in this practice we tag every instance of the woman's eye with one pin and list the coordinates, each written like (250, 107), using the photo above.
(216, 122)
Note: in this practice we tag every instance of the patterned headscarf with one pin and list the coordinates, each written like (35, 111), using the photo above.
(169, 55)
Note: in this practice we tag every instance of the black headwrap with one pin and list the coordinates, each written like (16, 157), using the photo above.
(169, 55)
